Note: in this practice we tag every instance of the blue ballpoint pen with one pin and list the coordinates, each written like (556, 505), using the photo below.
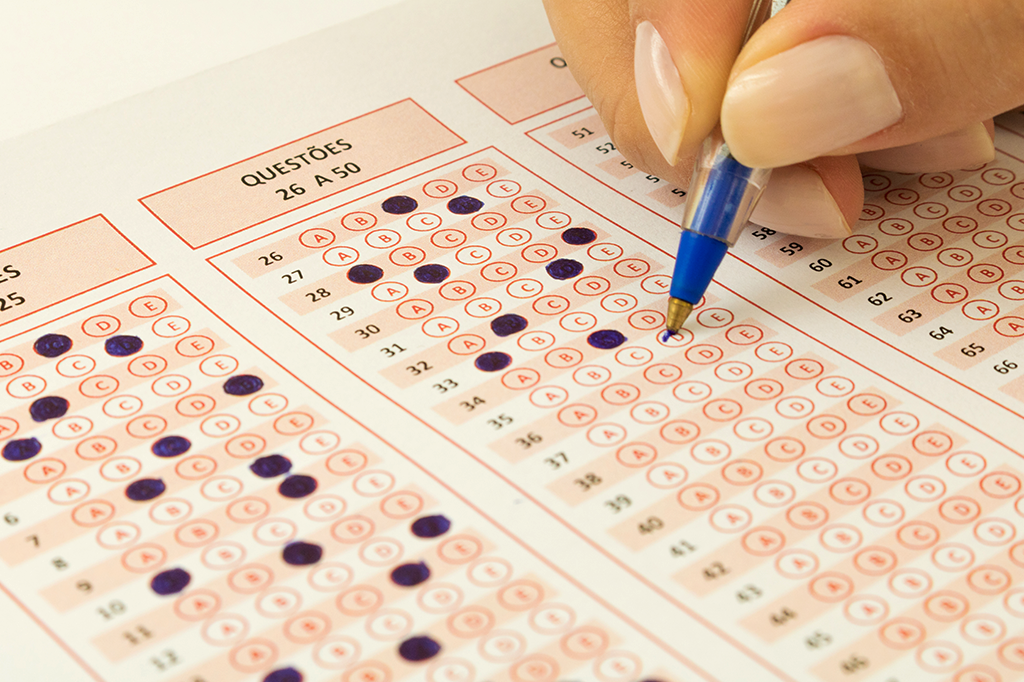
(721, 196)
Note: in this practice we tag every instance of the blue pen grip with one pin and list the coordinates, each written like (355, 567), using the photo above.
(726, 193)
(722, 195)
(697, 260)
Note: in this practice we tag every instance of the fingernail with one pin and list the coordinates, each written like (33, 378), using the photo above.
(662, 100)
(797, 202)
(807, 101)
(964, 148)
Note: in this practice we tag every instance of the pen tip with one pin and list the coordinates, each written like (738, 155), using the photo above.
(678, 311)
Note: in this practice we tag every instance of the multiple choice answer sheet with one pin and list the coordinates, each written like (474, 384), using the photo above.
(341, 363)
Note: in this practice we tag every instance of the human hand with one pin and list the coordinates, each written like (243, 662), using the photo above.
(824, 86)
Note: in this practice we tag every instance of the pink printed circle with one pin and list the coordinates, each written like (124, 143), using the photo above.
(796, 564)
(471, 622)
(875, 561)
(502, 646)
(250, 579)
(830, 587)
(359, 600)
(460, 549)
(488, 221)
(337, 652)
(910, 583)
(440, 598)
(763, 541)
(807, 515)
(698, 497)
(347, 462)
(866, 610)
(983, 629)
(917, 535)
(896, 227)
(902, 633)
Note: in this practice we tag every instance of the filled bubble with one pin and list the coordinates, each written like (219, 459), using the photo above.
(431, 273)
(577, 236)
(271, 466)
(284, 675)
(52, 345)
(606, 339)
(417, 649)
(564, 268)
(431, 526)
(171, 446)
(48, 407)
(121, 346)
(364, 274)
(409, 575)
(171, 581)
(296, 486)
(302, 553)
(495, 361)
(399, 205)
(21, 449)
(507, 325)
(145, 489)
(243, 384)
(464, 205)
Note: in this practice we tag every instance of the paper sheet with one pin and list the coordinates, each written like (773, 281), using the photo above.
(341, 362)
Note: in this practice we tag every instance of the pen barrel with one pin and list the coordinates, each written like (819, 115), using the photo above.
(722, 192)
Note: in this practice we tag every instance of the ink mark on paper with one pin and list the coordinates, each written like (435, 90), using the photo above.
(302, 553)
(364, 274)
(52, 345)
(606, 339)
(578, 236)
(507, 325)
(171, 446)
(122, 346)
(464, 205)
(431, 526)
(243, 384)
(419, 648)
(494, 361)
(21, 449)
(399, 205)
(48, 407)
(145, 489)
(431, 273)
(271, 466)
(410, 575)
(564, 268)
(171, 581)
(297, 486)
(284, 675)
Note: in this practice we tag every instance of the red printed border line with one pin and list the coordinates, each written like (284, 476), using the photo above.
(236, 197)
(883, 341)
(711, 626)
(598, 599)
(495, 87)
(775, 279)
(752, 655)
(529, 134)
(72, 269)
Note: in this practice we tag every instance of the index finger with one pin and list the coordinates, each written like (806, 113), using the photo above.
(655, 70)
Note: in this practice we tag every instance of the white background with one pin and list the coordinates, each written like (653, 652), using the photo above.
(59, 58)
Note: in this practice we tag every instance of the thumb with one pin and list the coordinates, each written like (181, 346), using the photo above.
(830, 77)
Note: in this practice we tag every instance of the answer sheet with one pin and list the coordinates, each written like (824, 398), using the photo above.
(341, 363)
